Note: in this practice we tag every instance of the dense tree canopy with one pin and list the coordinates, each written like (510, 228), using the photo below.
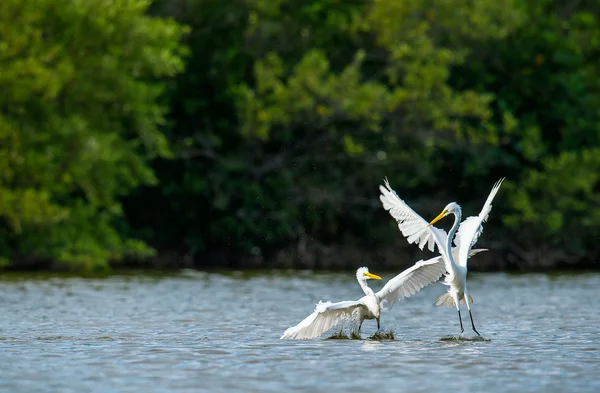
(79, 117)
(287, 116)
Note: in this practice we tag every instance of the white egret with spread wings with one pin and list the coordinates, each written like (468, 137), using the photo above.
(420, 232)
(328, 314)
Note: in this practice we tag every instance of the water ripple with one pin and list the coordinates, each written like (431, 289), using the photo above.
(220, 333)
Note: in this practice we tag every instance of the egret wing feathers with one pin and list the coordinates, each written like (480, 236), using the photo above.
(325, 316)
(411, 281)
(474, 251)
(487, 206)
(470, 229)
(412, 225)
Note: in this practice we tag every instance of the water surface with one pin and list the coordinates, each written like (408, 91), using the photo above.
(197, 331)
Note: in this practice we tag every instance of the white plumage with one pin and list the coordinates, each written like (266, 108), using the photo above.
(471, 228)
(417, 230)
(328, 314)
(413, 226)
(410, 281)
(325, 317)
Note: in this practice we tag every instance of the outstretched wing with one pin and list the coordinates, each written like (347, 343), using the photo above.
(412, 225)
(325, 316)
(471, 228)
(411, 281)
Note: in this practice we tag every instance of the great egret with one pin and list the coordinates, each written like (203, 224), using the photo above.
(420, 232)
(405, 284)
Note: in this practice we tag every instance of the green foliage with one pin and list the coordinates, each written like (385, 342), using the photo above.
(286, 117)
(560, 195)
(546, 83)
(311, 105)
(79, 117)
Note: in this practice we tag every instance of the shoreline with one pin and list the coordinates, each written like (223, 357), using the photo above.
(335, 258)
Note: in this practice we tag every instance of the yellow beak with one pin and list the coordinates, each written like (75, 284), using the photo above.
(439, 217)
(371, 275)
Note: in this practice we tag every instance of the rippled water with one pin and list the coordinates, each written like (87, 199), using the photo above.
(220, 333)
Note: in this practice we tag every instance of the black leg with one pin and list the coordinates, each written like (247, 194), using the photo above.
(378, 325)
(462, 329)
(472, 324)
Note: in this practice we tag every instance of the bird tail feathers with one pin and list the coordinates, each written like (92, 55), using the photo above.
(447, 300)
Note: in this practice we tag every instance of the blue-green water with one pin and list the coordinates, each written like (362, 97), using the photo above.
(220, 333)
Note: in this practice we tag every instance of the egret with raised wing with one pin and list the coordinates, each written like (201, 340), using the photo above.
(420, 232)
(328, 314)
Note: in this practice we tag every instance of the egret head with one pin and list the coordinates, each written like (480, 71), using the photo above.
(362, 274)
(451, 208)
